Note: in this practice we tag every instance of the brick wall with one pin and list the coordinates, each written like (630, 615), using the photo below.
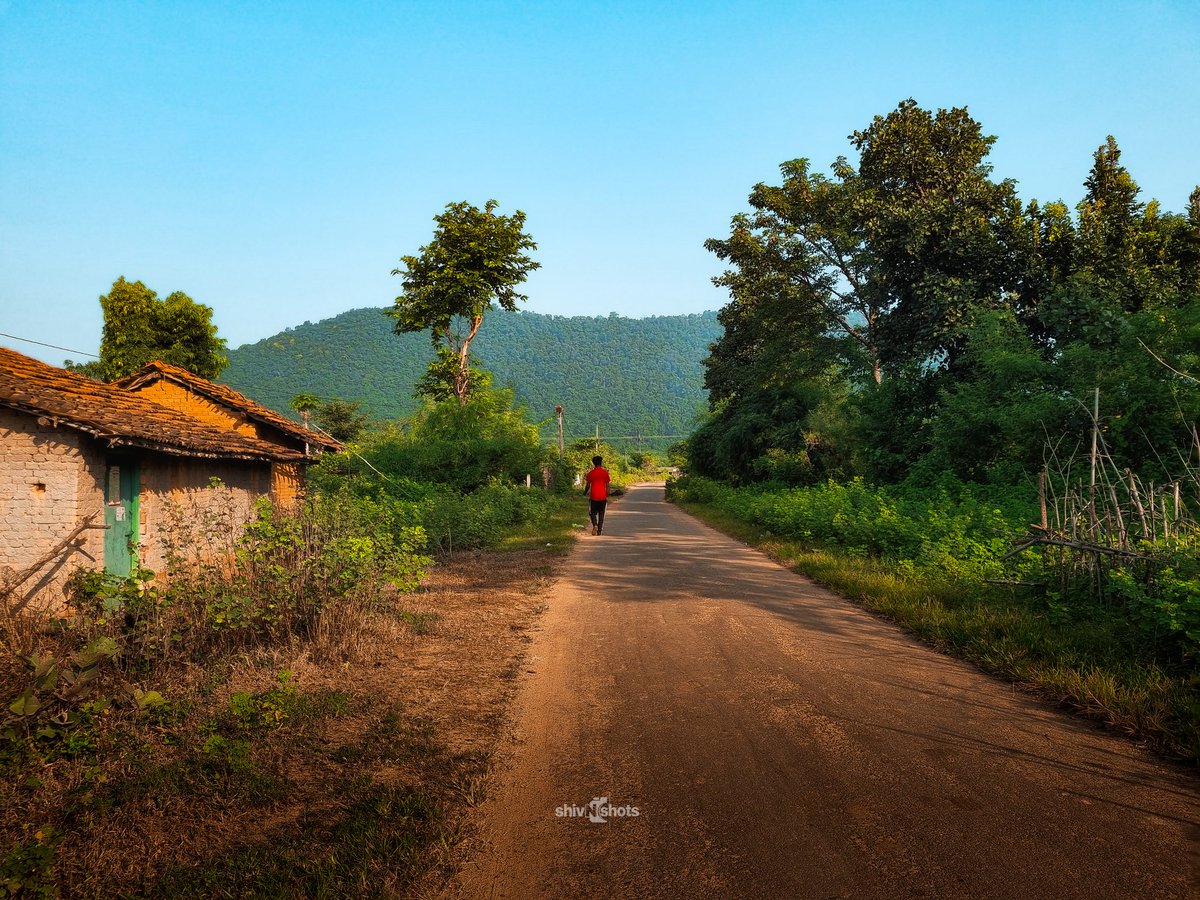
(180, 506)
(50, 479)
(287, 484)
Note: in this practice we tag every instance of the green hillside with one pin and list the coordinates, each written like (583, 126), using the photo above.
(627, 376)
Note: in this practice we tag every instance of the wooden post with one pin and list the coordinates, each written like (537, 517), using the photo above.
(1042, 497)
(62, 545)
(1095, 441)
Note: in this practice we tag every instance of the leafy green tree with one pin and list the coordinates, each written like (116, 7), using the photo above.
(342, 419)
(463, 445)
(439, 381)
(799, 261)
(476, 259)
(994, 419)
(1125, 256)
(139, 328)
(305, 403)
(939, 230)
(837, 282)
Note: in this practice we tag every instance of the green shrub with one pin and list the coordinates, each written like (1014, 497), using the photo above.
(286, 567)
(464, 447)
(27, 870)
(949, 531)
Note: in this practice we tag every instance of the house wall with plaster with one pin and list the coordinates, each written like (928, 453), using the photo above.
(51, 478)
(195, 507)
(200, 407)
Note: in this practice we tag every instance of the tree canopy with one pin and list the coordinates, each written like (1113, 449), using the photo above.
(475, 261)
(657, 389)
(139, 327)
(909, 315)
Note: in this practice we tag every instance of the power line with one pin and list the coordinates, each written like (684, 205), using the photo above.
(52, 346)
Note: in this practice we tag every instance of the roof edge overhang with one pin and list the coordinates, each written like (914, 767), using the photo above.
(150, 373)
(118, 440)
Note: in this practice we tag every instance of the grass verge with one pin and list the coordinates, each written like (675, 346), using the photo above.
(554, 532)
(1087, 667)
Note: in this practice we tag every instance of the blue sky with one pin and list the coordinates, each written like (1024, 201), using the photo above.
(274, 160)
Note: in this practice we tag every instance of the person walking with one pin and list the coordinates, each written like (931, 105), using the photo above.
(596, 488)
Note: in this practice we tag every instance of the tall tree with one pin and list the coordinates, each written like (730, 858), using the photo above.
(801, 269)
(939, 228)
(476, 259)
(1126, 256)
(139, 327)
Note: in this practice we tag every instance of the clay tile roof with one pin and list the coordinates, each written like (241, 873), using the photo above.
(228, 397)
(117, 416)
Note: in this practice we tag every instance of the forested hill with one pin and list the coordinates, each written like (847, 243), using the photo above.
(629, 376)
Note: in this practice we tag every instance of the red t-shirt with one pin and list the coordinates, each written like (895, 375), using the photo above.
(598, 479)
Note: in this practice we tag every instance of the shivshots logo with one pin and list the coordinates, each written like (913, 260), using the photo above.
(599, 810)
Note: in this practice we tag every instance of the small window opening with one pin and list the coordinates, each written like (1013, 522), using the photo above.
(39, 487)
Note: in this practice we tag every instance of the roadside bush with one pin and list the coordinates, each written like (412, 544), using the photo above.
(464, 447)
(287, 568)
(952, 530)
(1165, 607)
(578, 459)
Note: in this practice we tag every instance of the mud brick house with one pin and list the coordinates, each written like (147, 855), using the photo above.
(225, 408)
(89, 470)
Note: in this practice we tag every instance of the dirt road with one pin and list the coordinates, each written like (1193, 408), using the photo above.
(776, 741)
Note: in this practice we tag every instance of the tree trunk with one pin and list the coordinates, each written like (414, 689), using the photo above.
(462, 380)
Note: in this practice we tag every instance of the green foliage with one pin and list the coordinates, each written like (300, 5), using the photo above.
(438, 382)
(27, 870)
(951, 531)
(57, 712)
(909, 316)
(448, 518)
(1165, 608)
(958, 532)
(937, 228)
(266, 709)
(629, 376)
(791, 430)
(139, 328)
(802, 273)
(303, 403)
(288, 567)
(993, 419)
(341, 419)
(476, 258)
(454, 472)
(464, 446)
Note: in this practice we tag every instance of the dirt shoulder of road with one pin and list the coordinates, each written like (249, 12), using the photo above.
(354, 779)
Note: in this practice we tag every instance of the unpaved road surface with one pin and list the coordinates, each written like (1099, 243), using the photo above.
(777, 741)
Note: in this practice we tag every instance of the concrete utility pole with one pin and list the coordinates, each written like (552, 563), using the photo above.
(558, 411)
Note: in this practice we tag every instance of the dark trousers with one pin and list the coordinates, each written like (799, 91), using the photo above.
(596, 512)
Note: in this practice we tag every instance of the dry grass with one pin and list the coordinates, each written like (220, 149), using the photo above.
(395, 706)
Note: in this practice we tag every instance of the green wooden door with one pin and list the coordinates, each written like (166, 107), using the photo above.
(122, 484)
